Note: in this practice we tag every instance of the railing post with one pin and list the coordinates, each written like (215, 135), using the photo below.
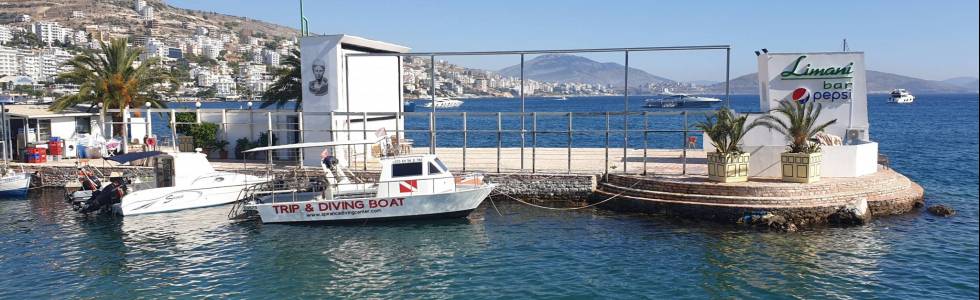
(432, 133)
(364, 120)
(268, 118)
(684, 151)
(626, 106)
(300, 129)
(149, 123)
(432, 116)
(522, 112)
(534, 141)
(465, 137)
(606, 165)
(498, 142)
(646, 128)
(568, 168)
(173, 129)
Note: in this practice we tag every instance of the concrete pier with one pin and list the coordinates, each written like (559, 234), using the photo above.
(672, 184)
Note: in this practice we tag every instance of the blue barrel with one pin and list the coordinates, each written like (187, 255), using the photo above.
(81, 151)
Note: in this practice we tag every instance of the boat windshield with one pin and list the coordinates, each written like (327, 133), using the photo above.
(440, 164)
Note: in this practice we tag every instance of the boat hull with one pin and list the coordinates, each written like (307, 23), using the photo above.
(444, 205)
(15, 186)
(169, 199)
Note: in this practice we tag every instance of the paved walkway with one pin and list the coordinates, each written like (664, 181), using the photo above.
(544, 160)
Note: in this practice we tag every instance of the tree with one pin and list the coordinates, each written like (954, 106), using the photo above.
(798, 122)
(288, 84)
(109, 77)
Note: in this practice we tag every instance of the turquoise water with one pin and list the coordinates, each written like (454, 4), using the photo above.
(47, 251)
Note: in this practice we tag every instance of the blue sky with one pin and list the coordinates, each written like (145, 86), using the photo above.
(927, 39)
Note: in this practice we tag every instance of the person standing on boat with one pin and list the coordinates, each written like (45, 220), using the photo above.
(328, 159)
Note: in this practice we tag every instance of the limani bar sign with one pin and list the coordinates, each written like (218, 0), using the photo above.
(836, 80)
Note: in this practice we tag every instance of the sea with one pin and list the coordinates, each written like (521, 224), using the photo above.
(507, 250)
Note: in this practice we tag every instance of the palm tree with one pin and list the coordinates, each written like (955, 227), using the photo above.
(288, 84)
(109, 77)
(798, 122)
(726, 130)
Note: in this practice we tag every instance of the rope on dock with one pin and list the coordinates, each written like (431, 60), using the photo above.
(563, 208)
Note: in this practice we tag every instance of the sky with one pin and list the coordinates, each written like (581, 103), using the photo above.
(926, 39)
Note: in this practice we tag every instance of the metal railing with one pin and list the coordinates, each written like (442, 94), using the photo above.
(473, 130)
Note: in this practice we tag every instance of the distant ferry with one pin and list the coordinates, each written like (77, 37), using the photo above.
(901, 96)
(674, 100)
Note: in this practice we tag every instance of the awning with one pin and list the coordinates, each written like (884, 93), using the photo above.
(128, 157)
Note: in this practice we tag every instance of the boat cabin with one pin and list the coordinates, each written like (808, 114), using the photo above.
(414, 174)
(182, 169)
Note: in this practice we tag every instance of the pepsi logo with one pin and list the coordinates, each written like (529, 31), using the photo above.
(801, 95)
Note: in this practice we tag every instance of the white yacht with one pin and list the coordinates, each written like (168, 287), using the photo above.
(408, 187)
(901, 96)
(443, 102)
(675, 100)
(185, 180)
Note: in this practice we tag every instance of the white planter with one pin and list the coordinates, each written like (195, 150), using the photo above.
(801, 167)
(728, 167)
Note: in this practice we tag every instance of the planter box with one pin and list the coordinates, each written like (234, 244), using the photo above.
(728, 167)
(801, 167)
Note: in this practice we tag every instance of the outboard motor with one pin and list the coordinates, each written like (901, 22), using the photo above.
(103, 200)
(90, 185)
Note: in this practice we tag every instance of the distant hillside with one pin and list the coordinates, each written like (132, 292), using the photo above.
(170, 21)
(967, 82)
(573, 68)
(878, 82)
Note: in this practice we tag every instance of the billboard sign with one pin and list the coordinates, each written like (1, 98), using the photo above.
(836, 80)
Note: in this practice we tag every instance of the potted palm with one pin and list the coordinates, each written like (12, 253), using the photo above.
(222, 152)
(728, 163)
(798, 122)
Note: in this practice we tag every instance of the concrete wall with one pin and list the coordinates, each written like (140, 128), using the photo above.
(838, 161)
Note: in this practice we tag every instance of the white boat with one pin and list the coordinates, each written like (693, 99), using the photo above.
(901, 96)
(442, 102)
(13, 185)
(408, 187)
(676, 100)
(184, 181)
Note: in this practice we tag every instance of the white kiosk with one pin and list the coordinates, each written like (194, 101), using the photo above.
(834, 79)
(335, 82)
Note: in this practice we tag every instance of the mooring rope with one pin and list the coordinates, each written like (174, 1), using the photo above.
(563, 208)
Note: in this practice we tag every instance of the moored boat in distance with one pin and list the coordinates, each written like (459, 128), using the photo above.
(901, 96)
(408, 187)
(675, 100)
(442, 102)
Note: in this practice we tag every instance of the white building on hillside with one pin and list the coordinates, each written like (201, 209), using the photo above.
(147, 13)
(270, 57)
(5, 34)
(8, 61)
(138, 5)
(49, 32)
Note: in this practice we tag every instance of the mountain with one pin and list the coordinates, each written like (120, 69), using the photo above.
(168, 20)
(573, 68)
(878, 82)
(965, 81)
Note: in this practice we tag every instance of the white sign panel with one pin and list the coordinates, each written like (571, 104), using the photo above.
(836, 80)
(321, 72)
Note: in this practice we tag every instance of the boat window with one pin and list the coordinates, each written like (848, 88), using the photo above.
(440, 164)
(433, 169)
(406, 169)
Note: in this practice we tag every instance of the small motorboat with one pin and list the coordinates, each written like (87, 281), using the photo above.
(409, 106)
(13, 185)
(408, 187)
(900, 96)
(184, 180)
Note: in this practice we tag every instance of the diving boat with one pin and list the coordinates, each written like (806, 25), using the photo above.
(441, 102)
(901, 96)
(184, 180)
(676, 100)
(408, 187)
